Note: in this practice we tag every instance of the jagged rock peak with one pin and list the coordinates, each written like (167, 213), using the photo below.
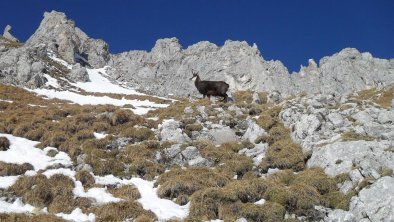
(60, 35)
(166, 48)
(7, 34)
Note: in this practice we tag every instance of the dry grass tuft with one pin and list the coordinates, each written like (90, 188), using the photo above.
(86, 178)
(121, 211)
(126, 192)
(30, 218)
(243, 97)
(4, 144)
(315, 177)
(205, 203)
(179, 181)
(351, 136)
(267, 212)
(55, 192)
(382, 97)
(285, 154)
(11, 169)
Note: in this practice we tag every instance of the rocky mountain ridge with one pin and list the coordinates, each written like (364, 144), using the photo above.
(166, 68)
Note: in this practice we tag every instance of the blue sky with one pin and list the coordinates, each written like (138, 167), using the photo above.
(288, 30)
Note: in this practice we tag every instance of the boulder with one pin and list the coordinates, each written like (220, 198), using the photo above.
(78, 74)
(385, 116)
(342, 157)
(253, 131)
(170, 131)
(307, 125)
(336, 119)
(339, 215)
(362, 117)
(274, 96)
(257, 153)
(375, 202)
(256, 98)
(219, 135)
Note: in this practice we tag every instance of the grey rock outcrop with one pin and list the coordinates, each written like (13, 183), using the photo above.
(7, 34)
(166, 68)
(170, 131)
(342, 157)
(62, 37)
(19, 66)
(243, 67)
(219, 134)
(376, 202)
(189, 156)
(253, 131)
(79, 74)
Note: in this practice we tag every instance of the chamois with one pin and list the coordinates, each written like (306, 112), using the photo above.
(210, 88)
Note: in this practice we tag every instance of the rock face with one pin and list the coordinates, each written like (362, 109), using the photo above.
(7, 34)
(342, 157)
(166, 68)
(170, 131)
(376, 202)
(61, 36)
(243, 67)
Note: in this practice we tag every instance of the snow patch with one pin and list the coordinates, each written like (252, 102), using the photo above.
(260, 202)
(52, 56)
(24, 151)
(163, 208)
(99, 135)
(7, 181)
(142, 106)
(7, 101)
(100, 84)
(51, 81)
(16, 207)
(78, 216)
(99, 194)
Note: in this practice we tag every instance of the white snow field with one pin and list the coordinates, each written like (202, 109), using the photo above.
(77, 215)
(23, 151)
(163, 208)
(99, 83)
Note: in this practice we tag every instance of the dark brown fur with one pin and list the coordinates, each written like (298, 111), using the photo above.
(211, 88)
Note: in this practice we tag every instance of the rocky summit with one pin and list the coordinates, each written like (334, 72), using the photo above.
(166, 69)
(86, 135)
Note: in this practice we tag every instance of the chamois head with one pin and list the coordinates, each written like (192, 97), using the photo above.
(195, 75)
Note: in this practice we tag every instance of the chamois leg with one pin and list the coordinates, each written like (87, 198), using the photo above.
(225, 97)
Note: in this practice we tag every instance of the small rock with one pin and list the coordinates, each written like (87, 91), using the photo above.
(190, 153)
(200, 162)
(386, 117)
(242, 219)
(336, 119)
(362, 117)
(274, 97)
(188, 110)
(173, 151)
(339, 215)
(307, 125)
(4, 144)
(256, 98)
(219, 135)
(170, 131)
(253, 131)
